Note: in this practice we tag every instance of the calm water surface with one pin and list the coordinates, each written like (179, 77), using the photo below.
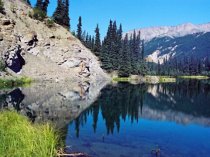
(122, 120)
(132, 120)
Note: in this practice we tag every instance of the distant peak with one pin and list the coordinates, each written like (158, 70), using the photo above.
(172, 31)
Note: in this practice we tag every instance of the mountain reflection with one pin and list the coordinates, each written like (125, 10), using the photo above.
(183, 102)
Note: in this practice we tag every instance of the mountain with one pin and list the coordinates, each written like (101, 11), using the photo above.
(176, 42)
(31, 48)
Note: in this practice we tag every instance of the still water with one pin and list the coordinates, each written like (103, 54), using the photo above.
(122, 120)
(134, 120)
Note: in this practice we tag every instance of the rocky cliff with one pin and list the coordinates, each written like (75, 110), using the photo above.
(32, 49)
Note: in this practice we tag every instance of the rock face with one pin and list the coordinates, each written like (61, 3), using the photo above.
(30, 48)
(51, 102)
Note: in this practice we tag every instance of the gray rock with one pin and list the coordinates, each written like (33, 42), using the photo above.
(72, 63)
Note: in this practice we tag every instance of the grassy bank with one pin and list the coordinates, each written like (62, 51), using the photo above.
(193, 77)
(145, 79)
(121, 79)
(166, 79)
(9, 83)
(19, 138)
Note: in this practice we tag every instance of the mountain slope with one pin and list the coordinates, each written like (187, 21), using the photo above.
(180, 41)
(30, 48)
(171, 31)
(196, 45)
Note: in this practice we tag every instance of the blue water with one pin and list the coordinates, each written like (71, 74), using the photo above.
(115, 127)
(139, 138)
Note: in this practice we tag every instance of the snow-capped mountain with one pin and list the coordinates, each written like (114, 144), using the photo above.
(176, 42)
(171, 31)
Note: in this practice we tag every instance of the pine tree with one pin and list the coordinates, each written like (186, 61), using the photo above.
(158, 68)
(59, 13)
(79, 29)
(39, 4)
(106, 49)
(114, 45)
(66, 18)
(92, 43)
(2, 10)
(45, 5)
(125, 64)
(97, 47)
(28, 2)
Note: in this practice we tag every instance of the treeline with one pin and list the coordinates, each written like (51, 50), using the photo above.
(185, 66)
(60, 16)
(117, 53)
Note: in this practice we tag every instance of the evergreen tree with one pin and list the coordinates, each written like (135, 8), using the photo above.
(66, 18)
(2, 9)
(28, 2)
(97, 47)
(114, 52)
(125, 64)
(106, 49)
(79, 29)
(39, 4)
(158, 68)
(59, 13)
(92, 43)
(45, 5)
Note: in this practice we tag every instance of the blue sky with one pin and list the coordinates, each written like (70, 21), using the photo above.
(135, 13)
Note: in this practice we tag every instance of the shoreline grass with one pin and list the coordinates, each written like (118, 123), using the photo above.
(166, 79)
(14, 82)
(22, 139)
(121, 79)
(194, 77)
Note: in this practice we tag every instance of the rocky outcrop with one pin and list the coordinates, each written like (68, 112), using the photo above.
(51, 102)
(30, 48)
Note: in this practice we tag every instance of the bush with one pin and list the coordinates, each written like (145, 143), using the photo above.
(50, 23)
(20, 138)
(1, 7)
(10, 83)
(38, 14)
(2, 65)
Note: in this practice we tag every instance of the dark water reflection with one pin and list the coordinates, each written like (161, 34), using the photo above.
(131, 120)
(125, 120)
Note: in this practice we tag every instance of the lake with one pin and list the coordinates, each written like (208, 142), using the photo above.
(122, 120)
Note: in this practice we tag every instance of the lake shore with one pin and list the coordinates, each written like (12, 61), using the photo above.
(28, 139)
(135, 79)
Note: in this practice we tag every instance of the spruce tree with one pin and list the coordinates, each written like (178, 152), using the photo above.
(113, 51)
(92, 43)
(2, 9)
(39, 4)
(45, 5)
(28, 2)
(66, 18)
(97, 47)
(125, 64)
(106, 49)
(79, 29)
(59, 13)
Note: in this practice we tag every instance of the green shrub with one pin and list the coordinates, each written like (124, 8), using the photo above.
(39, 14)
(50, 23)
(1, 7)
(10, 83)
(2, 65)
(20, 138)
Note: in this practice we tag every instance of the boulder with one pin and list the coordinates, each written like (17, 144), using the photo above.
(72, 63)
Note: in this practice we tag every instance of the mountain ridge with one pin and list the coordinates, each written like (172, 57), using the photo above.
(148, 33)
